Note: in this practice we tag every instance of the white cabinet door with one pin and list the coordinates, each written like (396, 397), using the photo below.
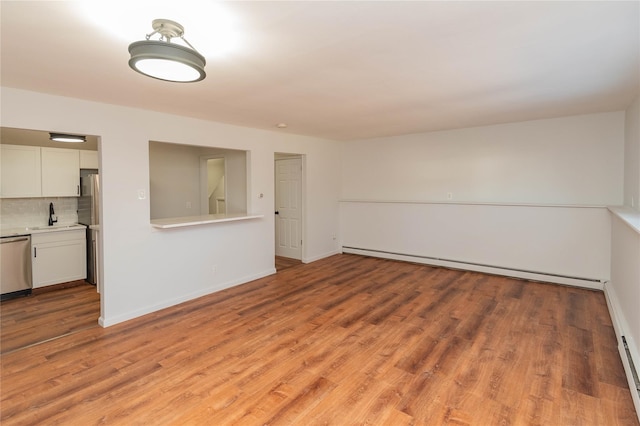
(88, 159)
(20, 171)
(60, 172)
(58, 257)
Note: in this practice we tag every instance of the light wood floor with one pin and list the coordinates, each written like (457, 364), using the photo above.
(344, 340)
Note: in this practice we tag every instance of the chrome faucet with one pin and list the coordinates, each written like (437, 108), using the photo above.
(52, 215)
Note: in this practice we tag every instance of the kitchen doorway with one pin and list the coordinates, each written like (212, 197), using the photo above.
(62, 308)
(289, 205)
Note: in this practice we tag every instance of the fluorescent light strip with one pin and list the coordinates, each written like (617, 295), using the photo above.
(61, 137)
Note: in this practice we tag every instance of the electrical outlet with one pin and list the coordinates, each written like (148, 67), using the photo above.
(334, 237)
(213, 269)
(449, 195)
(141, 194)
(188, 204)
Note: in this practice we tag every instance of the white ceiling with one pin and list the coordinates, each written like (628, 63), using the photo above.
(341, 70)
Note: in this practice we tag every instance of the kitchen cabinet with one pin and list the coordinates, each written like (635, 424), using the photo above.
(88, 159)
(20, 171)
(58, 257)
(60, 172)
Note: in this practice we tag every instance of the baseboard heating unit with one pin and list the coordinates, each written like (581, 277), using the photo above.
(592, 283)
(632, 366)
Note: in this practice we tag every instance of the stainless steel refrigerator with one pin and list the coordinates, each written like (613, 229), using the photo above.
(88, 214)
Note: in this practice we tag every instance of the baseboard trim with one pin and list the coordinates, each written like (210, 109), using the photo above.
(321, 256)
(107, 322)
(590, 283)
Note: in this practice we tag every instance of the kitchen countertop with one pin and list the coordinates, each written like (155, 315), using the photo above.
(10, 232)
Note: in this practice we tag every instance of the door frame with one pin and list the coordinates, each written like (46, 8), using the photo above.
(303, 199)
(204, 180)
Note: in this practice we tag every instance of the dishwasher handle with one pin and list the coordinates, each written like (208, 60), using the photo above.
(7, 240)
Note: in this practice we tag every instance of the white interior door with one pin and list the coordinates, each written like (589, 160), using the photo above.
(289, 208)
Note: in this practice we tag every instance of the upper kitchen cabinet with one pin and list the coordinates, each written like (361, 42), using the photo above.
(60, 172)
(88, 159)
(20, 171)
(32, 165)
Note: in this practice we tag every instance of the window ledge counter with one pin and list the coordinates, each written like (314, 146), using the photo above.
(628, 216)
(181, 222)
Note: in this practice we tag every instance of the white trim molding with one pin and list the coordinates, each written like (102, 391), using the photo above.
(172, 302)
(593, 284)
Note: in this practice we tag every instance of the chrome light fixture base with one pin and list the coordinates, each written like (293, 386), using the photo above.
(162, 60)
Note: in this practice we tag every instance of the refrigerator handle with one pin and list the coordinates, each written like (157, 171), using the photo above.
(78, 189)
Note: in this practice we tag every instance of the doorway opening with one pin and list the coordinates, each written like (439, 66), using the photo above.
(65, 302)
(289, 209)
(216, 187)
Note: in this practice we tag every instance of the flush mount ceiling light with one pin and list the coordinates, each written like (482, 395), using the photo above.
(166, 61)
(61, 137)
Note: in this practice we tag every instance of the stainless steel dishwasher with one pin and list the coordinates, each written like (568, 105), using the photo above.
(15, 266)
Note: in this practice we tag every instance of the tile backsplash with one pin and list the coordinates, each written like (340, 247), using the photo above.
(32, 212)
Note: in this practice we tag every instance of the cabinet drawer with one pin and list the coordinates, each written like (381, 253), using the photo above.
(58, 236)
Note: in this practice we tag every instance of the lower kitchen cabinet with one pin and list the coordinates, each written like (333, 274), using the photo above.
(58, 257)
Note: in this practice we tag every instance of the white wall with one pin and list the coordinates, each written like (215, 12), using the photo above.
(174, 179)
(233, 181)
(545, 164)
(316, 176)
(147, 269)
(632, 156)
(236, 181)
(572, 160)
(623, 292)
(566, 242)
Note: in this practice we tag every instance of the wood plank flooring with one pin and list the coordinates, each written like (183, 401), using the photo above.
(47, 314)
(344, 340)
(286, 262)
